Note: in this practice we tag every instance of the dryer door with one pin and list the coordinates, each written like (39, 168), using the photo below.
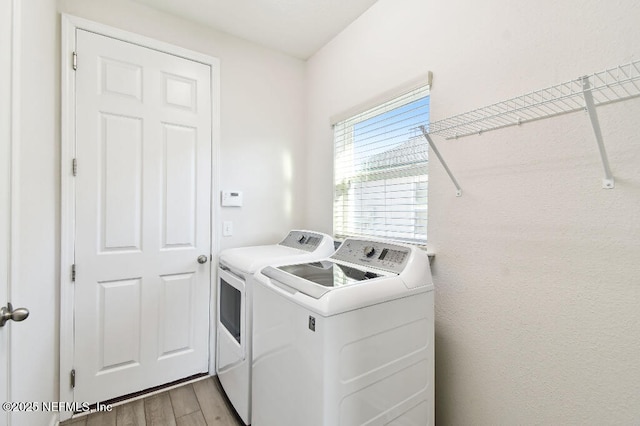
(231, 320)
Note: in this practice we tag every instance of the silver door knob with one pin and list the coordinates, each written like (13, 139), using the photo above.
(9, 313)
(202, 259)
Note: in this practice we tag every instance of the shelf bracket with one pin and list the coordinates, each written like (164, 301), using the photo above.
(590, 106)
(444, 164)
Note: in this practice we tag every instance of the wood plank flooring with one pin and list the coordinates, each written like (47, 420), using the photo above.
(200, 403)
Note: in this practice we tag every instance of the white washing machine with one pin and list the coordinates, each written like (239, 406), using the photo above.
(235, 289)
(348, 340)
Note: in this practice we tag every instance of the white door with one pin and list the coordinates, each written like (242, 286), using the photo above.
(143, 214)
(5, 194)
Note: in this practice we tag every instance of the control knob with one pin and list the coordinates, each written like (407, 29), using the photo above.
(369, 251)
(302, 239)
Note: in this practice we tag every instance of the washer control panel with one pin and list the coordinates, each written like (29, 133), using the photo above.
(302, 240)
(381, 255)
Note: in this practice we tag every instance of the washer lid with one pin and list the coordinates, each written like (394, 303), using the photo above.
(315, 279)
(328, 274)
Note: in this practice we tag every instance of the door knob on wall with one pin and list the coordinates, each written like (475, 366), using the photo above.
(9, 313)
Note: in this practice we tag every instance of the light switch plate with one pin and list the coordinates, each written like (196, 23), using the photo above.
(227, 228)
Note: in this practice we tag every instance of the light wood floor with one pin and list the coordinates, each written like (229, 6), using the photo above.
(195, 404)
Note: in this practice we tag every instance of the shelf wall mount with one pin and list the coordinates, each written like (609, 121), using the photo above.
(608, 182)
(444, 163)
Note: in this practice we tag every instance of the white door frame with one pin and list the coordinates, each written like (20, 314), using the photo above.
(67, 215)
(9, 140)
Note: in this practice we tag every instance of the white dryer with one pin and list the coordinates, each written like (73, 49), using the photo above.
(348, 340)
(234, 320)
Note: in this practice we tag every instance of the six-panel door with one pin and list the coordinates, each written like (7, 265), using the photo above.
(143, 211)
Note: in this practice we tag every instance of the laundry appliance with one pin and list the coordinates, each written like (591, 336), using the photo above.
(235, 276)
(348, 340)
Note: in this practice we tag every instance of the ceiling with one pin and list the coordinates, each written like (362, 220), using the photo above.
(296, 27)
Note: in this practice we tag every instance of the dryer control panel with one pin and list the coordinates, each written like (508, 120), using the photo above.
(382, 255)
(302, 240)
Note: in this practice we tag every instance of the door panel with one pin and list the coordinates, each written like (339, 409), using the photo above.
(179, 198)
(120, 186)
(176, 330)
(142, 217)
(120, 78)
(119, 312)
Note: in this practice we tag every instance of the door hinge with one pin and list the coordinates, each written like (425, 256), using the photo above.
(74, 167)
(74, 61)
(73, 378)
(73, 272)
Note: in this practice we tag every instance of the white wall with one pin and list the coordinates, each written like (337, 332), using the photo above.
(262, 110)
(537, 270)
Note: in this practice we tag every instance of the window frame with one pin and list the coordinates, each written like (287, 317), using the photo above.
(424, 83)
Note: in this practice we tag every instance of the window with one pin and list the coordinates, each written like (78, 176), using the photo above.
(380, 171)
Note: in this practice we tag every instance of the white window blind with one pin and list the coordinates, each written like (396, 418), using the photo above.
(380, 171)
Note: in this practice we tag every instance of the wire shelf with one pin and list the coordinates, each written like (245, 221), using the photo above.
(611, 85)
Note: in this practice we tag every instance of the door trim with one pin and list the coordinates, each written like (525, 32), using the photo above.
(67, 194)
